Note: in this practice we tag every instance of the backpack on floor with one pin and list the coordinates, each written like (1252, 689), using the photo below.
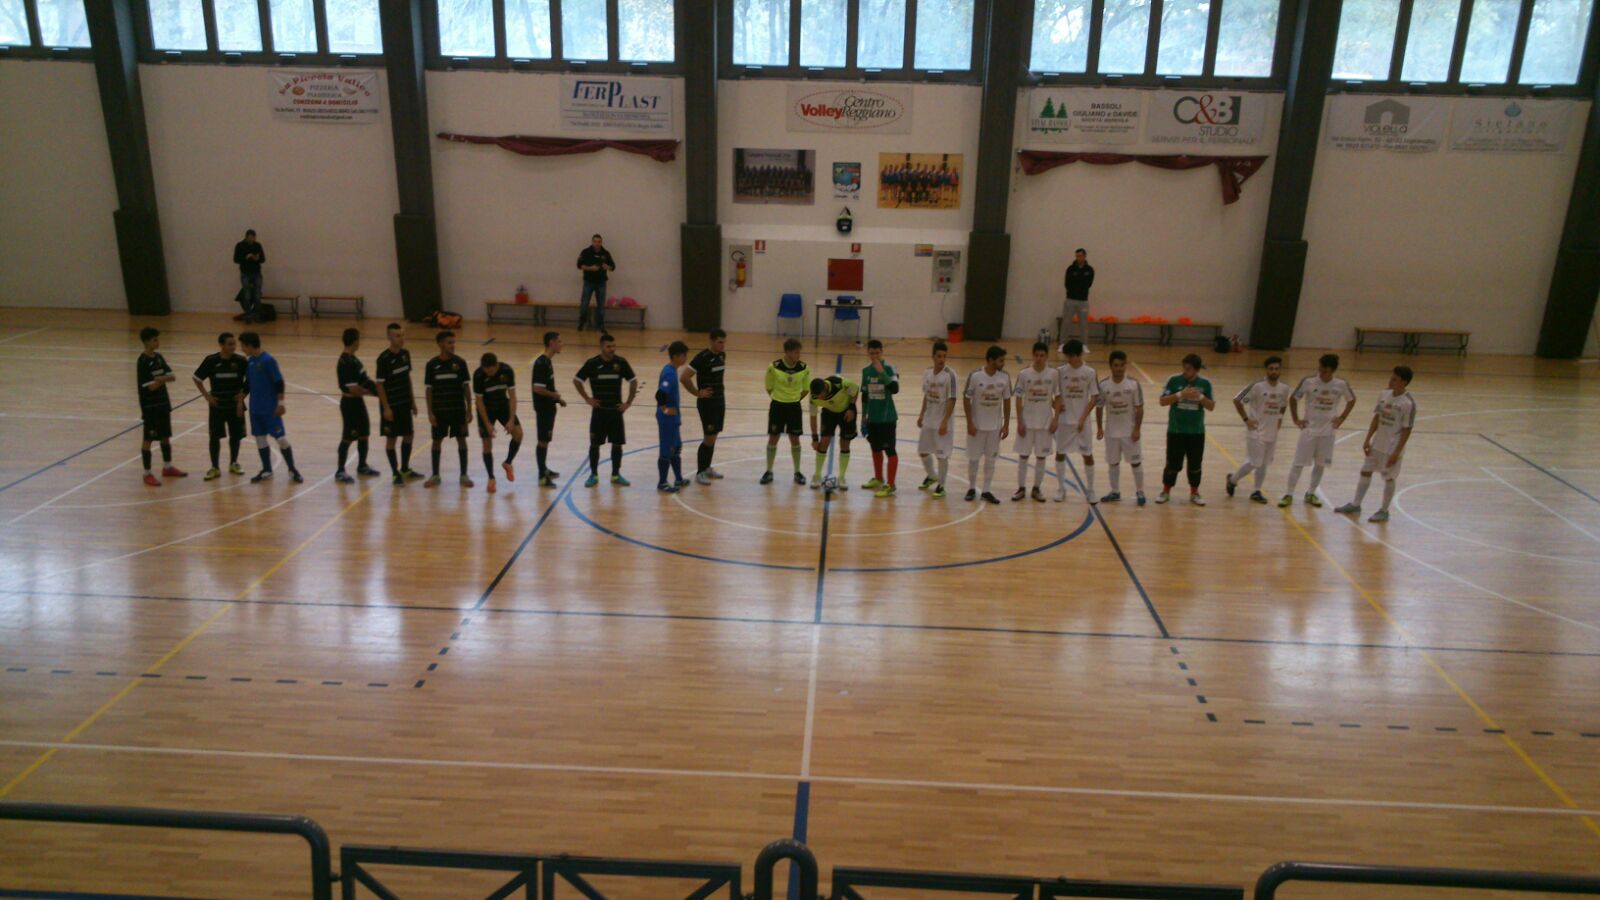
(443, 320)
(265, 312)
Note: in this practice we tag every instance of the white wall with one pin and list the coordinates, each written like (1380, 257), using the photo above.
(321, 197)
(1457, 240)
(506, 220)
(801, 239)
(58, 244)
(1162, 243)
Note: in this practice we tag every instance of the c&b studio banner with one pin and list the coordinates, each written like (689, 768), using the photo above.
(1213, 119)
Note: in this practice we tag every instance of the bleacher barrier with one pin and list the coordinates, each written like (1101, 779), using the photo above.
(537, 876)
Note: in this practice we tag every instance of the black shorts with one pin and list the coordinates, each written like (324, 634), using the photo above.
(502, 417)
(784, 418)
(226, 421)
(402, 426)
(157, 424)
(880, 436)
(832, 421)
(712, 411)
(450, 426)
(544, 421)
(356, 425)
(605, 427)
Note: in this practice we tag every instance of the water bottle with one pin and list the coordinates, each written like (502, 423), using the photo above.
(1044, 335)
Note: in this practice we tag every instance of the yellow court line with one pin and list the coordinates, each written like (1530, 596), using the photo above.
(1427, 657)
(178, 648)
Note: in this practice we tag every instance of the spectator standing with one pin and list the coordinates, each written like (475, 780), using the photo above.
(248, 255)
(595, 261)
(1079, 278)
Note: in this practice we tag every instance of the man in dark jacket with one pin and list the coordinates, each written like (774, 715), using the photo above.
(248, 256)
(595, 261)
(1079, 278)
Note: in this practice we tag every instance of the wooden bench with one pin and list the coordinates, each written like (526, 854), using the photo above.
(1364, 333)
(541, 309)
(358, 304)
(1411, 338)
(1168, 332)
(490, 307)
(1107, 329)
(293, 303)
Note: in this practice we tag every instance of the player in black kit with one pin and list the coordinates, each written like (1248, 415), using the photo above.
(495, 386)
(605, 374)
(354, 387)
(545, 400)
(155, 405)
(398, 404)
(703, 380)
(449, 390)
(225, 370)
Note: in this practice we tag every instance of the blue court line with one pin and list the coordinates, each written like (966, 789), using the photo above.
(636, 542)
(1539, 467)
(1088, 519)
(802, 816)
(66, 459)
(827, 504)
(1127, 566)
(566, 489)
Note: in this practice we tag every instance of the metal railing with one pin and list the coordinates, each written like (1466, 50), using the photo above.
(354, 859)
(1467, 879)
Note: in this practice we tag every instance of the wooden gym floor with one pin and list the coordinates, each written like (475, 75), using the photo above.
(1167, 693)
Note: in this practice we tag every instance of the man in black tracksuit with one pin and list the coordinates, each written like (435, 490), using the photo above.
(1079, 278)
(248, 255)
(595, 261)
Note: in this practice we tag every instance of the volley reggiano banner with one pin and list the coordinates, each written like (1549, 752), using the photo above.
(340, 97)
(883, 108)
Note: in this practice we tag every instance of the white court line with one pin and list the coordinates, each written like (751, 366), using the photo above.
(811, 705)
(1470, 540)
(22, 335)
(123, 420)
(1586, 532)
(824, 779)
(83, 484)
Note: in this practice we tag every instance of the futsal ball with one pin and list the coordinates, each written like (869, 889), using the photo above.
(830, 483)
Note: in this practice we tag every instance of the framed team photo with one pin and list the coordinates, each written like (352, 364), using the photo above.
(774, 176)
(919, 181)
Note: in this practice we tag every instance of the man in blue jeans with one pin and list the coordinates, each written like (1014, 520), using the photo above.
(595, 261)
(248, 256)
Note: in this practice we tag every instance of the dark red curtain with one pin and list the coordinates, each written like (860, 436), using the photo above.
(1234, 170)
(660, 151)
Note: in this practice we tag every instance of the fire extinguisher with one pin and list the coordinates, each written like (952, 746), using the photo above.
(1238, 347)
(741, 271)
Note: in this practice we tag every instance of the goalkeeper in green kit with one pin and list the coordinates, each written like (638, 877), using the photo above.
(879, 383)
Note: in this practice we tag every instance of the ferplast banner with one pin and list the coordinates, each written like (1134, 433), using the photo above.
(591, 103)
(1084, 116)
(339, 97)
(881, 108)
(1510, 126)
(1397, 124)
(1214, 119)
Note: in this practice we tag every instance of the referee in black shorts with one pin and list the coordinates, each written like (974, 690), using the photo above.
(225, 371)
(605, 374)
(703, 379)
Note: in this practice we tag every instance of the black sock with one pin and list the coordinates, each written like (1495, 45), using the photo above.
(288, 457)
(461, 453)
(361, 452)
(661, 466)
(216, 453)
(233, 451)
(488, 464)
(344, 453)
(436, 449)
(703, 458)
(166, 453)
(711, 451)
(511, 451)
(594, 460)
(542, 453)
(405, 455)
(394, 461)
(677, 463)
(616, 460)
(145, 455)
(266, 459)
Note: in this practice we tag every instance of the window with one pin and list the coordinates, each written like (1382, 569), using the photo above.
(1183, 37)
(647, 30)
(1193, 39)
(583, 29)
(14, 24)
(1124, 36)
(853, 38)
(313, 31)
(1366, 40)
(1490, 35)
(62, 24)
(1554, 54)
(563, 35)
(1060, 36)
(238, 25)
(466, 27)
(527, 29)
(177, 25)
(1246, 38)
(353, 26)
(294, 26)
(1430, 40)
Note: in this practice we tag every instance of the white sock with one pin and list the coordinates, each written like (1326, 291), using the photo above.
(1243, 471)
(1294, 478)
(1088, 478)
(1138, 478)
(1022, 473)
(1261, 477)
(1388, 493)
(927, 463)
(1061, 473)
(972, 471)
(988, 474)
(1116, 478)
(1361, 488)
(1316, 479)
(1038, 472)
(944, 468)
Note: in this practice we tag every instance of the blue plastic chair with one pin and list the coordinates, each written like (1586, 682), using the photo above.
(845, 310)
(791, 306)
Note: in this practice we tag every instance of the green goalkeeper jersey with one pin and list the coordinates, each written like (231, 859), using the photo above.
(879, 390)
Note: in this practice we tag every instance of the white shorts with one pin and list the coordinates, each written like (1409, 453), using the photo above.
(1036, 442)
(1080, 441)
(931, 443)
(984, 443)
(1375, 462)
(1116, 448)
(1314, 450)
(1260, 452)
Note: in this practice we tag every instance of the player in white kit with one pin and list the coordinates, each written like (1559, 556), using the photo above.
(1322, 393)
(1260, 405)
(1036, 390)
(1387, 437)
(1119, 419)
(936, 437)
(988, 420)
(1079, 390)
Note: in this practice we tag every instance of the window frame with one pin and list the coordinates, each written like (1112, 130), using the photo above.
(1287, 10)
(850, 71)
(436, 61)
(144, 35)
(36, 48)
(1452, 86)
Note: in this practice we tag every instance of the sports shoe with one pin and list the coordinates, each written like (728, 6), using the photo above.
(410, 474)
(702, 478)
(1349, 509)
(399, 480)
(927, 483)
(152, 480)
(1163, 497)
(665, 488)
(1196, 499)
(885, 491)
(511, 474)
(366, 471)
(1380, 516)
(990, 498)
(972, 494)
(1061, 495)
(1093, 501)
(1287, 501)
(873, 484)
(296, 477)
(1141, 498)
(683, 483)
(1113, 497)
(938, 491)
(552, 473)
(466, 482)
(766, 477)
(1258, 497)
(1232, 485)
(591, 481)
(841, 486)
(213, 473)
(816, 484)
(713, 473)
(433, 481)
(263, 475)
(547, 481)
(1037, 495)
(1021, 494)
(171, 471)
(1314, 500)
(619, 481)
(490, 487)
(235, 469)
(799, 479)
(343, 477)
